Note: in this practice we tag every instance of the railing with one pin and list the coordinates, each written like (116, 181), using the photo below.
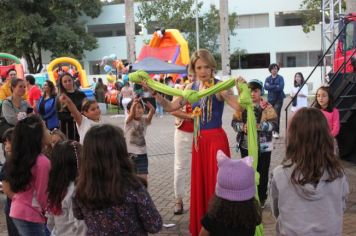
(311, 73)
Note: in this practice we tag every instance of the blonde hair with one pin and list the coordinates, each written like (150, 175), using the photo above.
(206, 56)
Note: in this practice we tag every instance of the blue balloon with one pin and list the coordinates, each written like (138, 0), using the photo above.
(107, 68)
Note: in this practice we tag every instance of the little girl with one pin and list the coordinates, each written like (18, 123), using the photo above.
(135, 131)
(91, 114)
(6, 140)
(309, 189)
(233, 210)
(56, 136)
(64, 166)
(324, 102)
(26, 172)
(109, 196)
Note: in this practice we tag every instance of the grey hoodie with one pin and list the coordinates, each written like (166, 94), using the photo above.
(307, 210)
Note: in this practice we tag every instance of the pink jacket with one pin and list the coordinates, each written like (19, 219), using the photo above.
(30, 205)
(333, 121)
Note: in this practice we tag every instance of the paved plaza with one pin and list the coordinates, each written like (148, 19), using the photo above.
(161, 155)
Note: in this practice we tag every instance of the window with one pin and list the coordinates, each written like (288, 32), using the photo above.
(298, 59)
(288, 19)
(110, 30)
(252, 21)
(250, 61)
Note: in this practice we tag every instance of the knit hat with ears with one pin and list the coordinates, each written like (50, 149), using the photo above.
(235, 179)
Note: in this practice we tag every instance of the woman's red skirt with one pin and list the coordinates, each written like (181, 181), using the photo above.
(204, 171)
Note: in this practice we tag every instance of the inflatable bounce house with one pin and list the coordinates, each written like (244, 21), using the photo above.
(167, 45)
(73, 67)
(7, 62)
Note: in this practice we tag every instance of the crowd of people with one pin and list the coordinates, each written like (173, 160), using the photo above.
(68, 173)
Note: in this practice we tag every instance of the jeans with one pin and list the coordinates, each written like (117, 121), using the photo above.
(27, 228)
(182, 159)
(277, 105)
(11, 228)
(159, 109)
(264, 160)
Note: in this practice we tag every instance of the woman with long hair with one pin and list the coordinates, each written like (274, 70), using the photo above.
(67, 123)
(46, 106)
(209, 111)
(26, 172)
(302, 98)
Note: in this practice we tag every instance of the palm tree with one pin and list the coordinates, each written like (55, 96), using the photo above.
(130, 30)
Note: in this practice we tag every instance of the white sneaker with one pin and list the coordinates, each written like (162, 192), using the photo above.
(275, 135)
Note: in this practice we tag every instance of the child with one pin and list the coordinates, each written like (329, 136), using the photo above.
(91, 114)
(56, 136)
(324, 102)
(309, 189)
(135, 131)
(109, 196)
(64, 166)
(6, 140)
(26, 172)
(302, 98)
(266, 119)
(233, 210)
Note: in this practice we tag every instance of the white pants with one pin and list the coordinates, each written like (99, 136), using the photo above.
(125, 101)
(182, 160)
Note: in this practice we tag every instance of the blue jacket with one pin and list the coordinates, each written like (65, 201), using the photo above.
(275, 89)
(49, 114)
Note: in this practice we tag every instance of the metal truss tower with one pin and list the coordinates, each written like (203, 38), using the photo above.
(331, 11)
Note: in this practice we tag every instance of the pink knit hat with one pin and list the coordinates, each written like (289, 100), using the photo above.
(235, 179)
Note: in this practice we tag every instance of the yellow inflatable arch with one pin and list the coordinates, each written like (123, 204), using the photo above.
(82, 74)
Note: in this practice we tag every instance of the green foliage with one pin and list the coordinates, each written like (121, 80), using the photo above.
(311, 15)
(180, 14)
(29, 27)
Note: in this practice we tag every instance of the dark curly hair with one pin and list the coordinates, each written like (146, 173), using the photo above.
(64, 166)
(244, 214)
(26, 146)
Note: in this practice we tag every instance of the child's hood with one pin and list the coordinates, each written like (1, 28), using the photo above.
(309, 191)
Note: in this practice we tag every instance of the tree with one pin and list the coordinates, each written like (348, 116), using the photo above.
(350, 6)
(30, 27)
(180, 14)
(312, 16)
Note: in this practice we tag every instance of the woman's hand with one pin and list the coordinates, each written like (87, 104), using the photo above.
(64, 99)
(240, 79)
